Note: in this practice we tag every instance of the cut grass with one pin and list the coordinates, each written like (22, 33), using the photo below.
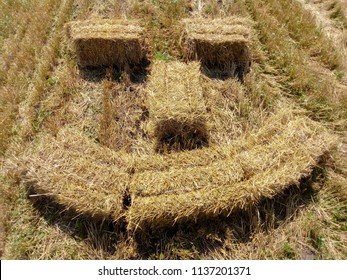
(23, 48)
(13, 22)
(41, 81)
(303, 29)
(338, 13)
(162, 19)
(302, 78)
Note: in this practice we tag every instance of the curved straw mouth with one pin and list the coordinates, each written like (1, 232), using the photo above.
(81, 175)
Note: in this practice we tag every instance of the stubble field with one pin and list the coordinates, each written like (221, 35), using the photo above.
(262, 175)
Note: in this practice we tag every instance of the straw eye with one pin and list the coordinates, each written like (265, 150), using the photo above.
(221, 45)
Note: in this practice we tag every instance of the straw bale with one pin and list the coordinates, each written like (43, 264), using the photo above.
(74, 173)
(219, 43)
(268, 168)
(163, 162)
(183, 180)
(176, 107)
(106, 42)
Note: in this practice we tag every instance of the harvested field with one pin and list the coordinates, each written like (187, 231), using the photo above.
(177, 111)
(107, 42)
(178, 129)
(222, 44)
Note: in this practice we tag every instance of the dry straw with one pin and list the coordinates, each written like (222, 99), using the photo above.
(176, 108)
(164, 189)
(107, 42)
(75, 172)
(284, 151)
(219, 43)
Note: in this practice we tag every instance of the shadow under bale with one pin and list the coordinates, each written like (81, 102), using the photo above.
(234, 70)
(136, 73)
(99, 232)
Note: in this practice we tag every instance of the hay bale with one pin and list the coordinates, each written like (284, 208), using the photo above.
(220, 44)
(176, 108)
(184, 180)
(193, 158)
(262, 171)
(107, 42)
(76, 173)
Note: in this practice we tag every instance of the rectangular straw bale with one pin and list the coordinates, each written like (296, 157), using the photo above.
(106, 42)
(222, 43)
(290, 155)
(80, 179)
(188, 159)
(184, 180)
(175, 101)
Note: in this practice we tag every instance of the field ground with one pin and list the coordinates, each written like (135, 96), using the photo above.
(299, 51)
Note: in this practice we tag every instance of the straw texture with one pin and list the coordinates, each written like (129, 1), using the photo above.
(164, 189)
